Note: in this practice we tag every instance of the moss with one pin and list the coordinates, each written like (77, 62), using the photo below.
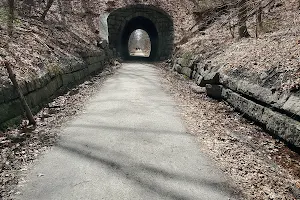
(54, 69)
(3, 15)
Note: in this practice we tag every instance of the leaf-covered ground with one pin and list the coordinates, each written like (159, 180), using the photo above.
(270, 60)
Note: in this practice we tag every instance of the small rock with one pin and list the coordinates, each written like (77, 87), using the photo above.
(197, 89)
(214, 91)
(103, 44)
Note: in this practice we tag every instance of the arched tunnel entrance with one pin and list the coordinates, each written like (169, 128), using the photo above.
(157, 23)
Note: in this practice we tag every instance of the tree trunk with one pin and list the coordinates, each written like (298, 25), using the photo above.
(61, 9)
(28, 4)
(49, 4)
(12, 77)
(259, 17)
(242, 17)
(11, 17)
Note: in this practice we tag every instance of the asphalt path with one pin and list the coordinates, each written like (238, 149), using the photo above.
(129, 143)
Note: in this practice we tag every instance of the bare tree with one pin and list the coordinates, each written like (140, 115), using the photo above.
(48, 6)
(24, 104)
(11, 17)
(242, 19)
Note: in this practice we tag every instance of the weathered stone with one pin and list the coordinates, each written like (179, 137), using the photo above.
(79, 75)
(177, 68)
(23, 88)
(285, 127)
(199, 80)
(9, 93)
(67, 79)
(44, 80)
(214, 91)
(279, 124)
(31, 85)
(109, 55)
(251, 109)
(210, 78)
(95, 67)
(10, 110)
(194, 74)
(128, 16)
(275, 99)
(197, 89)
(93, 60)
(186, 71)
(292, 105)
(42, 89)
(1, 96)
(103, 44)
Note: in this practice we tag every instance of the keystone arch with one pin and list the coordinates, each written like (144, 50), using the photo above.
(156, 22)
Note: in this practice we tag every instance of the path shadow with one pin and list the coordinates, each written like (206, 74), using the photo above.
(135, 172)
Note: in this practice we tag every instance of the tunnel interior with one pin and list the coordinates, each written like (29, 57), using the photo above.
(157, 23)
(139, 44)
(144, 24)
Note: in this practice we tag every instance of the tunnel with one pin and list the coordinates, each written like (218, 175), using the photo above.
(157, 23)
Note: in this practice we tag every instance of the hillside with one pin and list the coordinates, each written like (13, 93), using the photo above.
(271, 59)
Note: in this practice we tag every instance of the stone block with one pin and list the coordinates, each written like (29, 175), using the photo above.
(214, 91)
(79, 75)
(246, 106)
(194, 74)
(186, 71)
(211, 78)
(95, 67)
(31, 85)
(10, 110)
(283, 126)
(292, 105)
(9, 93)
(277, 123)
(199, 79)
(67, 79)
(177, 68)
(2, 99)
(92, 60)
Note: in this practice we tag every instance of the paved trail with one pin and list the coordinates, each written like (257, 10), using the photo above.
(128, 144)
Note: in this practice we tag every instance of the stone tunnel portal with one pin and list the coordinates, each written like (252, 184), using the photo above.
(157, 23)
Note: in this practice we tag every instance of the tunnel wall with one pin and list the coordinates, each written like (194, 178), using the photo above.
(119, 19)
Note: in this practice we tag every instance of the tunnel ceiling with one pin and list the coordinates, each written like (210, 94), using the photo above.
(157, 23)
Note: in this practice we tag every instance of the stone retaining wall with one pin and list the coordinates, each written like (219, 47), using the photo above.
(277, 112)
(43, 89)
